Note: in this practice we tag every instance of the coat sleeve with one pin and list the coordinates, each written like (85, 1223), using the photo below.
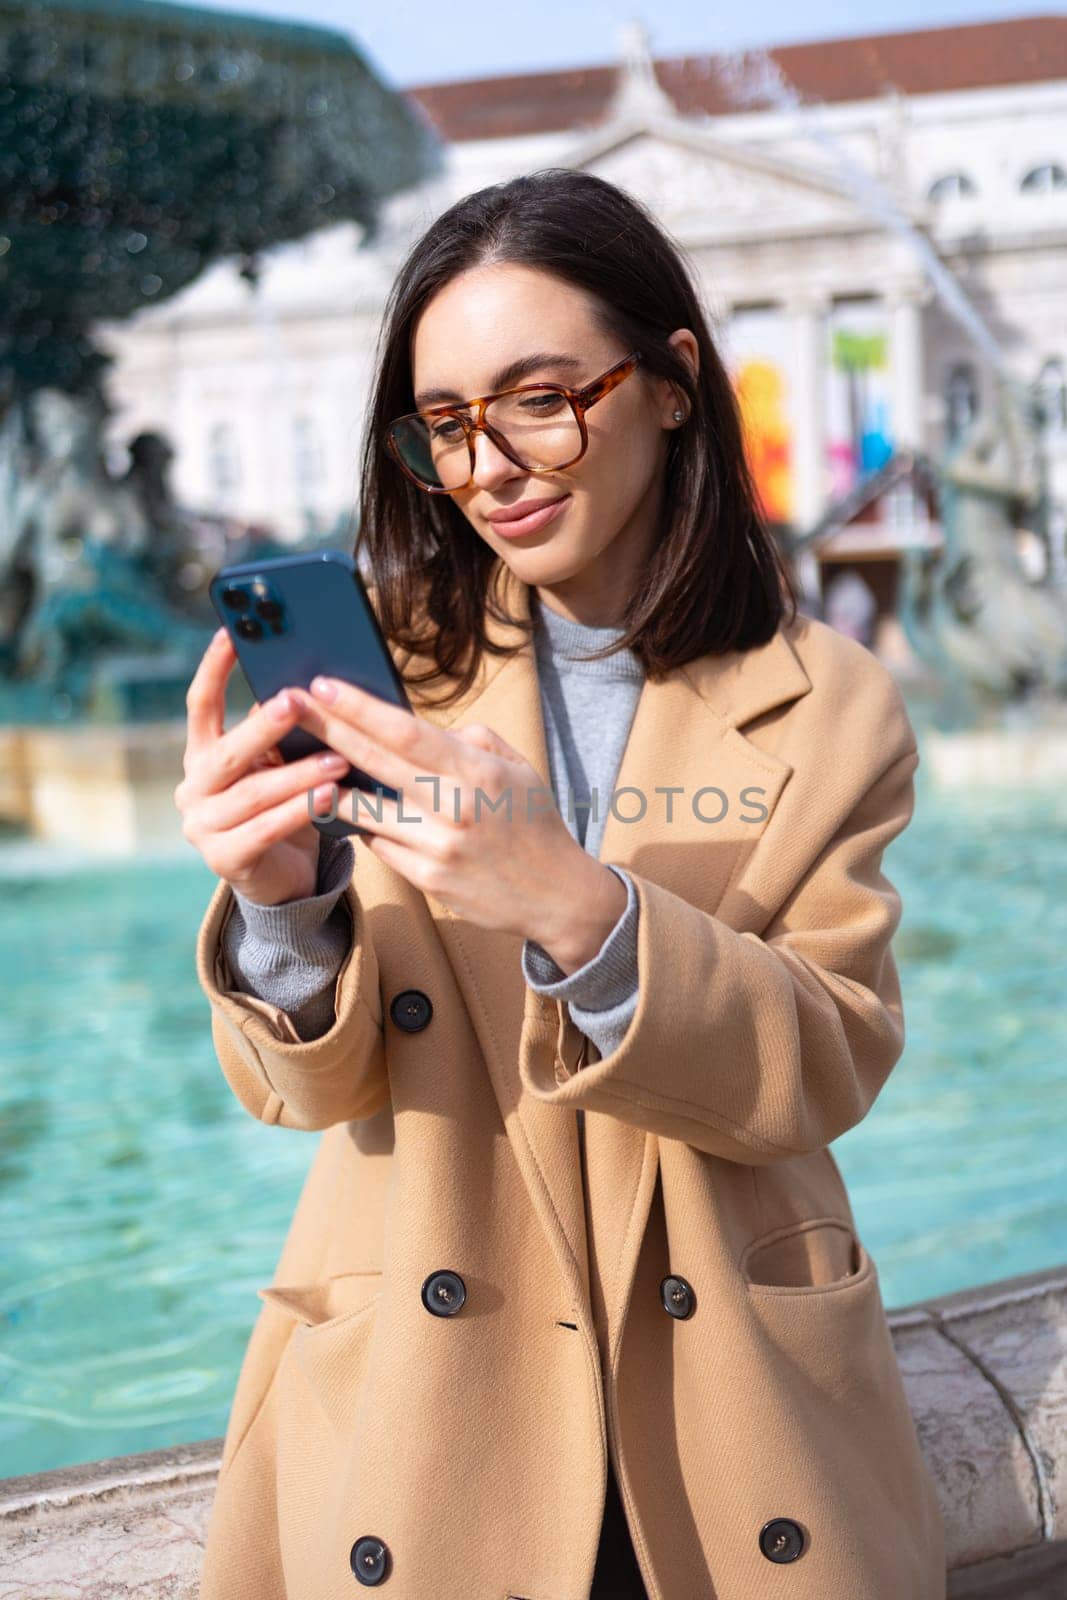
(340, 1076)
(759, 1046)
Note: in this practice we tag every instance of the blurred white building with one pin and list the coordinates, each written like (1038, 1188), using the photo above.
(796, 182)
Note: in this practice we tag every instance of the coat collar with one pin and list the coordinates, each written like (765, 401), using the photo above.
(739, 685)
(686, 735)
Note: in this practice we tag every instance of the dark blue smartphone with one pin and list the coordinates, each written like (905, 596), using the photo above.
(292, 617)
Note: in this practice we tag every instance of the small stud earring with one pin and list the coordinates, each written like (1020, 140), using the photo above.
(679, 416)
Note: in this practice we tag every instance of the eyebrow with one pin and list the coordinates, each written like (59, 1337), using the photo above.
(506, 376)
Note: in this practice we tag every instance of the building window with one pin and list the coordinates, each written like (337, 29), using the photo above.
(953, 186)
(1051, 389)
(961, 399)
(224, 460)
(307, 459)
(1044, 179)
(901, 505)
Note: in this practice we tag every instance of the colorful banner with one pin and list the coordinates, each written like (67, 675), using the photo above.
(758, 349)
(859, 418)
(758, 355)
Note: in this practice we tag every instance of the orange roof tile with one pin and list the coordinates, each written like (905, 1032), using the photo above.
(928, 61)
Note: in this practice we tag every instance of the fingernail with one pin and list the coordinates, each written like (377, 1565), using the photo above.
(324, 689)
(332, 762)
(280, 706)
(220, 634)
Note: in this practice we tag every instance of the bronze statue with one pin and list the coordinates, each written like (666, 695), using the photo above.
(973, 613)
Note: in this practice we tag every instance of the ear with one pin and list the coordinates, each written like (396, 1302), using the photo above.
(683, 342)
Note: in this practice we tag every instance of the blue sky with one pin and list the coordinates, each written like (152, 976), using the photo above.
(428, 41)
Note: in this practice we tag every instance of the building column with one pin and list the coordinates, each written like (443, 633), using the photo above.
(807, 313)
(906, 356)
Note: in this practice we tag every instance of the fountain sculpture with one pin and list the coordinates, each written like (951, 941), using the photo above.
(138, 144)
(972, 613)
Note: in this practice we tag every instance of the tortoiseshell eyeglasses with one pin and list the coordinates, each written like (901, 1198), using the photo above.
(538, 426)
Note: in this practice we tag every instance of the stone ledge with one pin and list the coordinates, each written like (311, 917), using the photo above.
(128, 1528)
(997, 756)
(985, 1371)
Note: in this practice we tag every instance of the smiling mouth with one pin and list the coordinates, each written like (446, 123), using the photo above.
(531, 521)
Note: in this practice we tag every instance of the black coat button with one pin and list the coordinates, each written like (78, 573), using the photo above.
(411, 1010)
(781, 1539)
(444, 1293)
(369, 1559)
(678, 1297)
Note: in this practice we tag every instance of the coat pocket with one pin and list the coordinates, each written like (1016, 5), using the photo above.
(832, 1397)
(335, 1321)
(316, 1306)
(821, 1255)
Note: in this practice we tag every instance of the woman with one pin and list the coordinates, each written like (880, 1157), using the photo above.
(573, 1302)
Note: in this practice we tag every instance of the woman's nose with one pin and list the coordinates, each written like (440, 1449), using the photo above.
(491, 465)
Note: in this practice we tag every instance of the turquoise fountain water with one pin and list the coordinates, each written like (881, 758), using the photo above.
(141, 1207)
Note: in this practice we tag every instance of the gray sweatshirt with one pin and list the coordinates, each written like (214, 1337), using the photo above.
(290, 954)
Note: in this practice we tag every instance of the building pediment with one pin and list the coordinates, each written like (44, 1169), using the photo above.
(706, 189)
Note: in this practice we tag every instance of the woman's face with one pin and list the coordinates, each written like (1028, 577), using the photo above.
(477, 326)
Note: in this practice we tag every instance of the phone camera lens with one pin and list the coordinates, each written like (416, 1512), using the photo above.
(249, 628)
(269, 610)
(236, 599)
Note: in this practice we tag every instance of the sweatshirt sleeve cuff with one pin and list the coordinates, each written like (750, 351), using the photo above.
(292, 927)
(606, 981)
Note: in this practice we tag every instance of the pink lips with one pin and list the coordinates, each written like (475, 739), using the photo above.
(527, 518)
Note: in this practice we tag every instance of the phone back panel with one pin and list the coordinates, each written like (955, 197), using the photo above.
(329, 627)
(326, 625)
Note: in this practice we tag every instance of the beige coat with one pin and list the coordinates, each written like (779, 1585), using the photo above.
(451, 1346)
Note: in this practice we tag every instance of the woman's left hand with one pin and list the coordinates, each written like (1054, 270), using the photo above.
(475, 827)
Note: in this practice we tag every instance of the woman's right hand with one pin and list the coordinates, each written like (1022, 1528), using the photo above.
(243, 807)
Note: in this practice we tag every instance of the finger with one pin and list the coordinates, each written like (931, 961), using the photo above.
(205, 698)
(411, 863)
(382, 765)
(402, 736)
(414, 821)
(270, 758)
(262, 789)
(236, 850)
(232, 754)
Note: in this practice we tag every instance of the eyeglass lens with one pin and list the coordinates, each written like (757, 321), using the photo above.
(540, 429)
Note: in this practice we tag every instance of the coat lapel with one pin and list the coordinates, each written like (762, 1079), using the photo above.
(685, 737)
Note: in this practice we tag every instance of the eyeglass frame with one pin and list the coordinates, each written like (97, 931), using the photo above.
(580, 401)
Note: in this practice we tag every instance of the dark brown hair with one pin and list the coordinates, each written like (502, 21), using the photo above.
(714, 579)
